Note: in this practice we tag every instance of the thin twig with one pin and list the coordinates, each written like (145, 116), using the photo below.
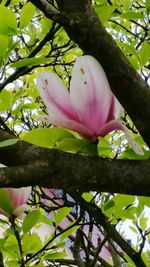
(14, 227)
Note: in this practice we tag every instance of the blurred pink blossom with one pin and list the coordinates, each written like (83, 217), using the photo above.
(90, 108)
(13, 200)
(94, 235)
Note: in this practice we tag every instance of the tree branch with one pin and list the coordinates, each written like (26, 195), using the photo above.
(43, 5)
(56, 169)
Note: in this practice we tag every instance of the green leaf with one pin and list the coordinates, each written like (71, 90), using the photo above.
(109, 204)
(144, 201)
(127, 48)
(88, 196)
(118, 206)
(9, 142)
(11, 263)
(46, 220)
(130, 265)
(143, 222)
(5, 201)
(146, 255)
(103, 147)
(147, 3)
(77, 145)
(29, 62)
(144, 53)
(27, 13)
(55, 256)
(130, 154)
(104, 12)
(11, 246)
(5, 100)
(31, 243)
(69, 232)
(133, 229)
(134, 61)
(30, 106)
(8, 22)
(123, 200)
(61, 214)
(45, 137)
(126, 213)
(126, 4)
(132, 15)
(30, 220)
(46, 24)
(40, 265)
(4, 41)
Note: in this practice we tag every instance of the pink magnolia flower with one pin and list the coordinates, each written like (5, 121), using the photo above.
(90, 108)
(13, 200)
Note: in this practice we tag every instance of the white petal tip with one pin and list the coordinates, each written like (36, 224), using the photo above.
(137, 149)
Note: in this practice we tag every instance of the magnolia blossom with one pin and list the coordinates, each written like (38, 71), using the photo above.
(90, 108)
(13, 200)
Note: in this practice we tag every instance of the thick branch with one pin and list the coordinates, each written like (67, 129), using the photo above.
(44, 5)
(56, 169)
(84, 27)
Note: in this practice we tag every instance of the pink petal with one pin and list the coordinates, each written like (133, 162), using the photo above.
(119, 110)
(18, 196)
(68, 124)
(115, 125)
(116, 110)
(111, 114)
(55, 95)
(90, 93)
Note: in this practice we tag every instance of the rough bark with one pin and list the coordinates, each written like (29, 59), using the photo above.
(31, 165)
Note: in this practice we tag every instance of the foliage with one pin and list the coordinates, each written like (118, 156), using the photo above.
(58, 229)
